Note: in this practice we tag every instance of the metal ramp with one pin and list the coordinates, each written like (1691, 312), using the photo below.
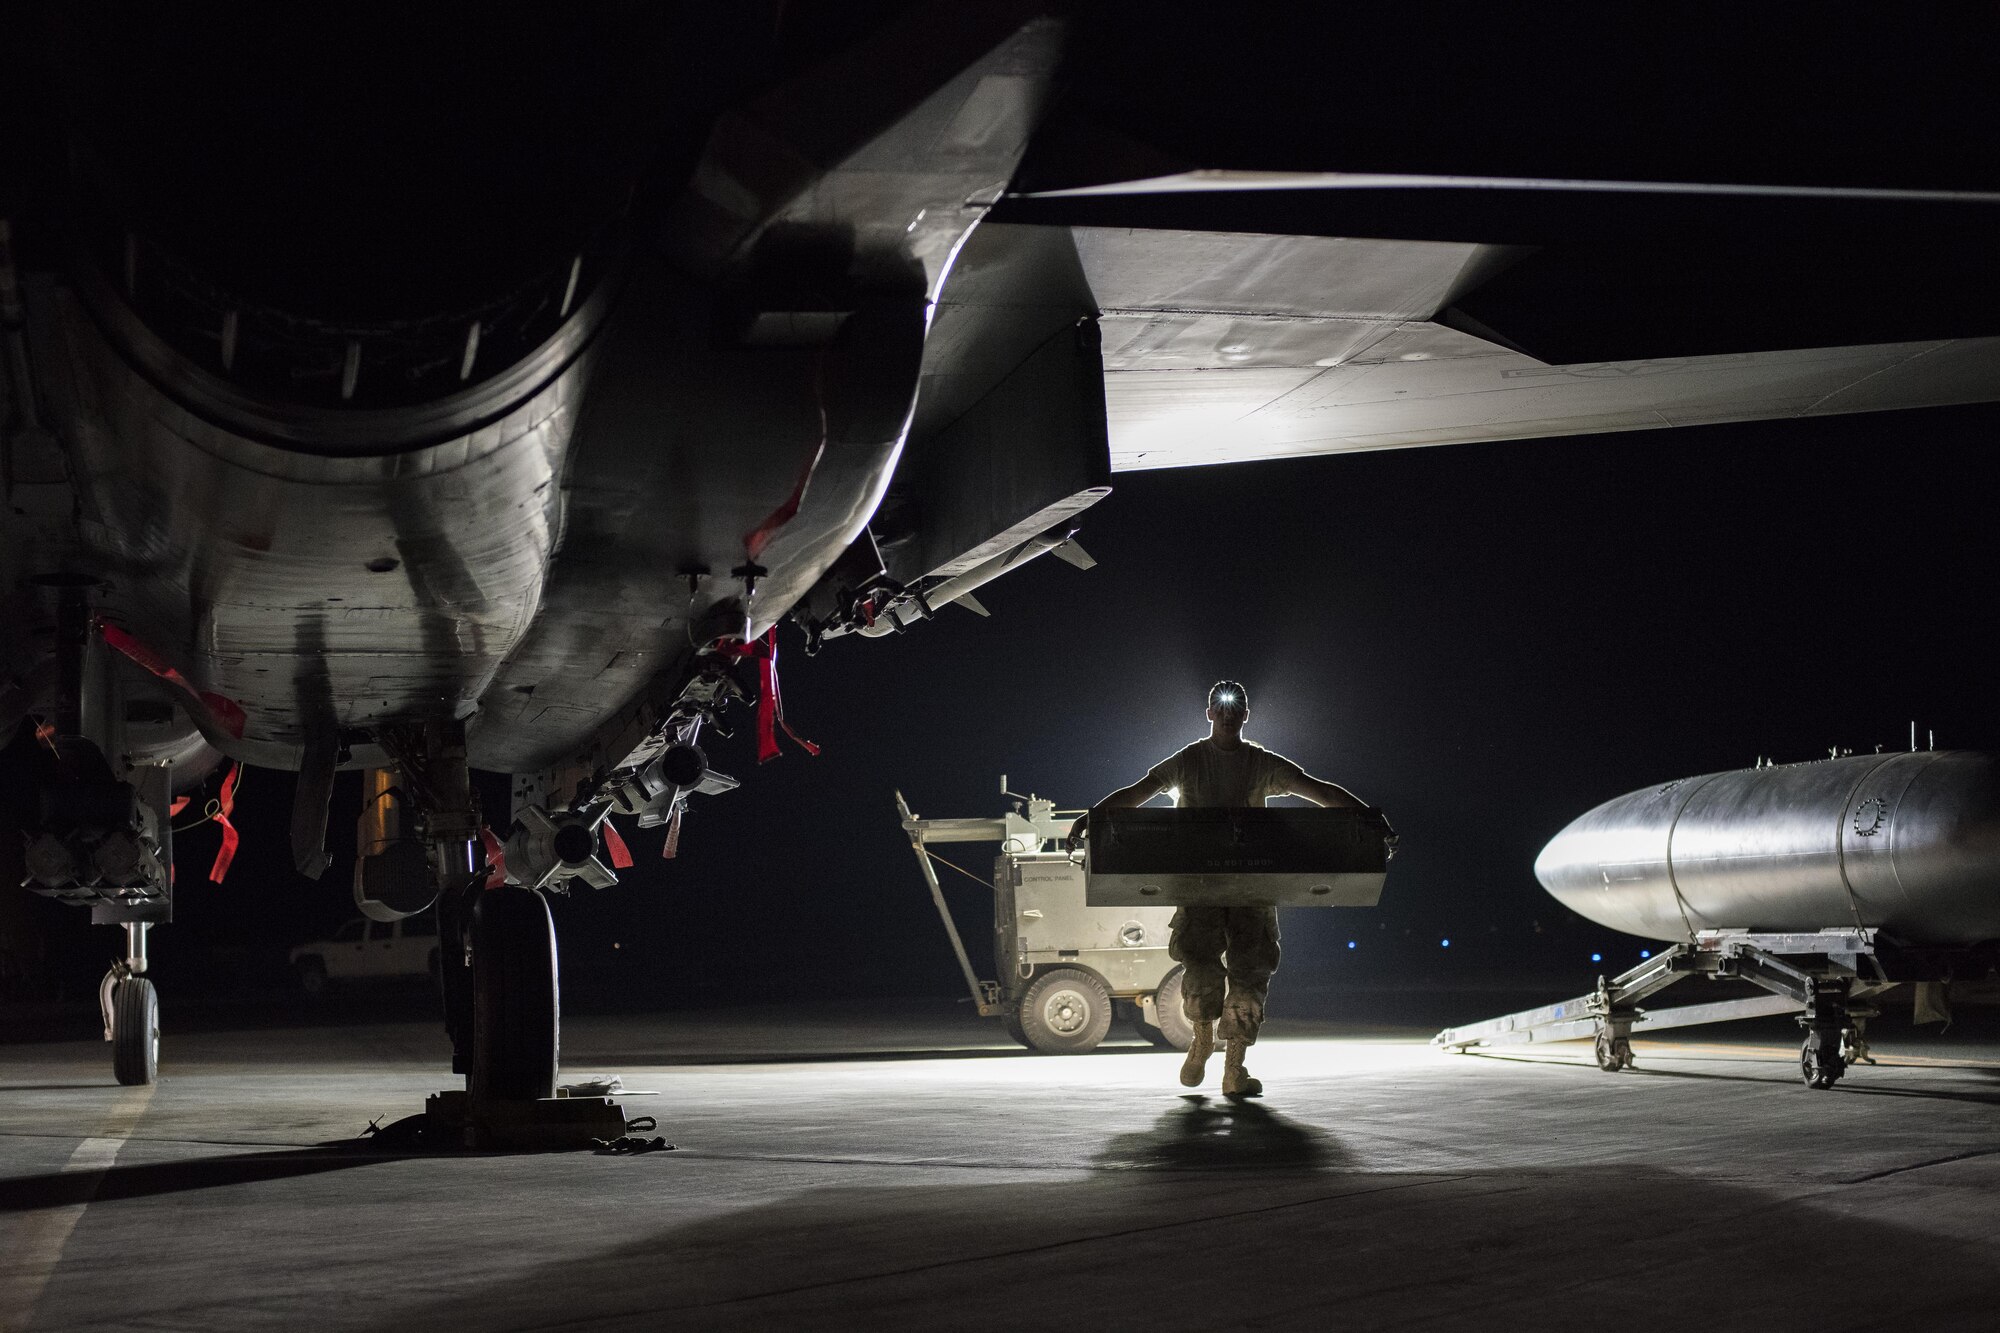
(1827, 978)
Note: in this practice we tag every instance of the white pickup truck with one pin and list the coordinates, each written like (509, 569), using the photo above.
(365, 950)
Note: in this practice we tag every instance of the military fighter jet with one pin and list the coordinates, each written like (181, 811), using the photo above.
(439, 391)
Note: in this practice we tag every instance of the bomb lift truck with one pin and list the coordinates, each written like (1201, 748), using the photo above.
(1066, 969)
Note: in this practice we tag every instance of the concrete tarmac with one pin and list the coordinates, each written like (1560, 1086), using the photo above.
(903, 1167)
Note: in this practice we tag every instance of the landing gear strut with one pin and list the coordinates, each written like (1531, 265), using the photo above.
(99, 835)
(132, 1012)
(496, 945)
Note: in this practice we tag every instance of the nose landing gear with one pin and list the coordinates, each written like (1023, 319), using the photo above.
(131, 1008)
(135, 1027)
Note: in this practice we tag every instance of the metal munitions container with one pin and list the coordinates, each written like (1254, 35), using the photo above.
(1907, 842)
(1283, 856)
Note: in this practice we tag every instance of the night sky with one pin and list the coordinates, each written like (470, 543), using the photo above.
(1485, 640)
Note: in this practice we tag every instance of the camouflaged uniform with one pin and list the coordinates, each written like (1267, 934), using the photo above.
(1229, 952)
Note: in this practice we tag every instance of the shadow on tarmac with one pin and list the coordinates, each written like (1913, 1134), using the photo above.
(1202, 1134)
(1488, 1249)
(1853, 1082)
(611, 1057)
(59, 1189)
(1927, 1094)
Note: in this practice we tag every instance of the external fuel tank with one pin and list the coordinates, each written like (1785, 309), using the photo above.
(1908, 842)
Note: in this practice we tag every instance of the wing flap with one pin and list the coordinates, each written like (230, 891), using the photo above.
(1181, 418)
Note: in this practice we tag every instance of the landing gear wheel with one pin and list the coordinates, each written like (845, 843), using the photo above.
(1819, 1061)
(516, 997)
(1066, 1011)
(135, 1031)
(1613, 1053)
(454, 918)
(1174, 1032)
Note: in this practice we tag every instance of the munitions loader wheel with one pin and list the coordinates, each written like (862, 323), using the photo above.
(1174, 1032)
(1613, 1053)
(1819, 1061)
(1065, 1011)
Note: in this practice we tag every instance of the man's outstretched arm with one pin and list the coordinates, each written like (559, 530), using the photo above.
(1333, 795)
(1140, 792)
(1330, 794)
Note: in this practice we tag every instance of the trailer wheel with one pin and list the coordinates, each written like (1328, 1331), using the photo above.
(1820, 1064)
(1066, 1011)
(1613, 1053)
(1011, 1020)
(1174, 1032)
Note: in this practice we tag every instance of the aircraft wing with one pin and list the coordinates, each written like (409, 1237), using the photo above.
(1422, 311)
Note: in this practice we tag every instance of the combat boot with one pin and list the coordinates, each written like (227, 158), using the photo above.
(1196, 1065)
(1236, 1080)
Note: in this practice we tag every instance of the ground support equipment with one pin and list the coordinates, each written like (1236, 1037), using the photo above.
(1066, 968)
(1828, 979)
(543, 1124)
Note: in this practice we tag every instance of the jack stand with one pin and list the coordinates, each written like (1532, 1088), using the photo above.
(548, 1124)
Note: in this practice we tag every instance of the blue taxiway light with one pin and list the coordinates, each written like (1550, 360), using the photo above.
(1444, 944)
(1350, 944)
(1597, 958)
(1645, 953)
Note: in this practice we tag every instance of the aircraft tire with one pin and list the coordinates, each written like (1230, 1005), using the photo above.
(516, 997)
(1065, 1011)
(135, 1031)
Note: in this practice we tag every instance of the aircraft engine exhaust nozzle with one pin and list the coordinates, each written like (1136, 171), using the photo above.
(1907, 842)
